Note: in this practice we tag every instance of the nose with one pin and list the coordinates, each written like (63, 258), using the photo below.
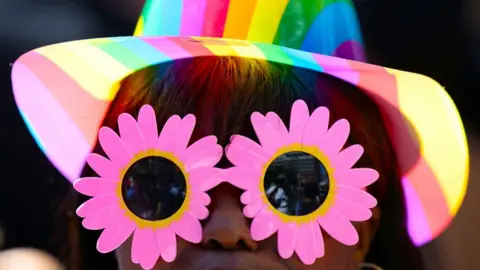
(227, 228)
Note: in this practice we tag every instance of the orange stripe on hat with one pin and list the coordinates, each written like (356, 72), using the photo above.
(239, 11)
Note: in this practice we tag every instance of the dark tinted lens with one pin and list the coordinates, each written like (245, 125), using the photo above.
(154, 188)
(296, 183)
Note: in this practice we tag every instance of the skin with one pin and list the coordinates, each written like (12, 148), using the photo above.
(28, 259)
(227, 244)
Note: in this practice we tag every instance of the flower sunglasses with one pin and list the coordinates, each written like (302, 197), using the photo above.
(126, 201)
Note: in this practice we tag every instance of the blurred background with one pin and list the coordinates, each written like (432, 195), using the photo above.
(438, 38)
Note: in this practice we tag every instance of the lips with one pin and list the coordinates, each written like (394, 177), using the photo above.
(201, 259)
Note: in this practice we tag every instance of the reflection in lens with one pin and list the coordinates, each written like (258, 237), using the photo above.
(154, 188)
(296, 183)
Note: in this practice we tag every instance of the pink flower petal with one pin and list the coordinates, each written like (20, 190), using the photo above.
(350, 210)
(356, 195)
(182, 136)
(335, 138)
(252, 209)
(136, 250)
(267, 135)
(356, 177)
(204, 178)
(145, 249)
(130, 133)
(347, 158)
(339, 228)
(168, 244)
(243, 178)
(287, 237)
(200, 212)
(95, 204)
(299, 117)
(305, 244)
(94, 186)
(115, 235)
(188, 228)
(169, 134)
(201, 198)
(264, 225)
(148, 124)
(250, 195)
(277, 124)
(103, 167)
(243, 151)
(317, 127)
(318, 239)
(203, 153)
(113, 146)
(103, 218)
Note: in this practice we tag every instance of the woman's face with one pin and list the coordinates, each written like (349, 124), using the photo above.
(226, 241)
(227, 244)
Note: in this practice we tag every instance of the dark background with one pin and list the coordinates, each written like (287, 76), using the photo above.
(438, 38)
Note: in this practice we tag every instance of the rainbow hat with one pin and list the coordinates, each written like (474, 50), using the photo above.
(63, 91)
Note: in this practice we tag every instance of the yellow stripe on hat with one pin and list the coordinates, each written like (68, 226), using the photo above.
(266, 20)
(249, 51)
(139, 28)
(233, 47)
(217, 47)
(94, 70)
(101, 61)
(435, 146)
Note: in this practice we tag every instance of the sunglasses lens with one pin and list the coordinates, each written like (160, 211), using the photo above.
(154, 188)
(296, 183)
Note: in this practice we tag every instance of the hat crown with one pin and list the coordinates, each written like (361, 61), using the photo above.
(328, 27)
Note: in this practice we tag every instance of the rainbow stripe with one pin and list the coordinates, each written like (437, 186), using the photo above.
(63, 92)
(325, 26)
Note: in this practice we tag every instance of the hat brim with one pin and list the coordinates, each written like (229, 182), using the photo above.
(63, 92)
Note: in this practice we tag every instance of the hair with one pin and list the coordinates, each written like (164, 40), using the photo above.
(222, 92)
